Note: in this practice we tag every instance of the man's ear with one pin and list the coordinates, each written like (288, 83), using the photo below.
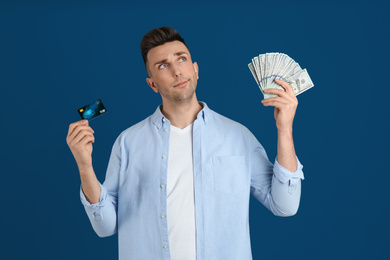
(196, 68)
(152, 84)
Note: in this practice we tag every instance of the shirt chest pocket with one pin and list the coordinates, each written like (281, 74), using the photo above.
(229, 173)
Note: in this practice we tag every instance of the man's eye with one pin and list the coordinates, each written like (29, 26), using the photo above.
(182, 59)
(162, 66)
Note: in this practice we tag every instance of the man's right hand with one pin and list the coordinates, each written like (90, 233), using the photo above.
(80, 138)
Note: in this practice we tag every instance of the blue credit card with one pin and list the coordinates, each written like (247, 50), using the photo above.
(92, 110)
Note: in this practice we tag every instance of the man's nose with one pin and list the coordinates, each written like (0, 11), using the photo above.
(176, 71)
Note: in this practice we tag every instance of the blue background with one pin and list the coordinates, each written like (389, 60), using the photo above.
(57, 56)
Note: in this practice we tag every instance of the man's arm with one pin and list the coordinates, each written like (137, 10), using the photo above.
(80, 138)
(278, 187)
(90, 185)
(285, 104)
(100, 206)
(286, 151)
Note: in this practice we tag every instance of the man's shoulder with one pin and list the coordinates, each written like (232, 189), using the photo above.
(223, 121)
(137, 129)
(229, 129)
(140, 126)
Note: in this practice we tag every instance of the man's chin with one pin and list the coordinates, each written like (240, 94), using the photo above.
(183, 98)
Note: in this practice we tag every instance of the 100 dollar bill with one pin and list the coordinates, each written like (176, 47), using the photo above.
(300, 82)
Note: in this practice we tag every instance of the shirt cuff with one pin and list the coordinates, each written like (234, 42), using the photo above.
(92, 207)
(285, 175)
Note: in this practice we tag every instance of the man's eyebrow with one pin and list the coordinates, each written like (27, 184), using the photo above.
(179, 53)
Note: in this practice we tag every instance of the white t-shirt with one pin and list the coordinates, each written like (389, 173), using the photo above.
(180, 195)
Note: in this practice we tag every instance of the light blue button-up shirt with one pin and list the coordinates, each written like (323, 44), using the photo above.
(229, 165)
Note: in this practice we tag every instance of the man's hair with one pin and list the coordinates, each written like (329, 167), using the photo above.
(157, 37)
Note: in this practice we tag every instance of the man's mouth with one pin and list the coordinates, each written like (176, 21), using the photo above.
(180, 84)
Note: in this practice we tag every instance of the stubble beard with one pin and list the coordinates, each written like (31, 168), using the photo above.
(180, 97)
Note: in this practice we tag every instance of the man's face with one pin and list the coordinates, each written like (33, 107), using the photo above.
(172, 72)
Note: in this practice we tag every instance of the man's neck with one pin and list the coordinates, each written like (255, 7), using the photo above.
(183, 114)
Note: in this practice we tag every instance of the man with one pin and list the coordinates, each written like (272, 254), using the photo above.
(178, 183)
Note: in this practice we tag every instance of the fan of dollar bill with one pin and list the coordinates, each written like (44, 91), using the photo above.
(267, 67)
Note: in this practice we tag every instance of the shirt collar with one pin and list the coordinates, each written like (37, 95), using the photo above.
(159, 119)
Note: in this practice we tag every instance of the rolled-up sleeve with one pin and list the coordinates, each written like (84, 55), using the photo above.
(286, 188)
(285, 175)
(94, 209)
(103, 214)
(277, 188)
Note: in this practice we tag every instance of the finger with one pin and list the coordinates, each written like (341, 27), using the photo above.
(283, 101)
(81, 135)
(72, 126)
(282, 94)
(78, 129)
(277, 99)
(75, 136)
(276, 91)
(276, 104)
(87, 139)
(285, 86)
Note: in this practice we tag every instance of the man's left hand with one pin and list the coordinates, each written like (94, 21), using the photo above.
(285, 104)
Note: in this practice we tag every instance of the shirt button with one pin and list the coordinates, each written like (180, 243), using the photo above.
(162, 186)
(163, 157)
(165, 246)
(158, 125)
(162, 216)
(163, 119)
(166, 129)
